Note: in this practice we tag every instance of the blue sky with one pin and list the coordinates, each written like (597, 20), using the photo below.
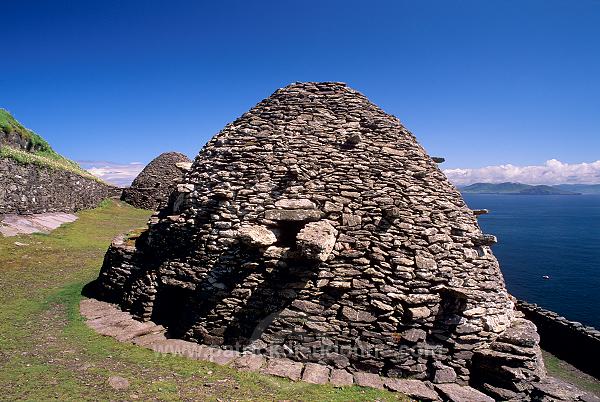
(482, 83)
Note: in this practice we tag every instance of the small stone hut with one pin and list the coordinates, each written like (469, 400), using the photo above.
(155, 183)
(316, 227)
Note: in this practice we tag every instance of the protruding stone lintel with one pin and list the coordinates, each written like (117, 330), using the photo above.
(300, 203)
(293, 215)
(184, 165)
(485, 240)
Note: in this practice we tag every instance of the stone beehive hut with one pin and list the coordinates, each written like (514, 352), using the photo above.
(315, 226)
(155, 183)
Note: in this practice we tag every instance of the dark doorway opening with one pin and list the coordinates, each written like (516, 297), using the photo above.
(288, 230)
(170, 309)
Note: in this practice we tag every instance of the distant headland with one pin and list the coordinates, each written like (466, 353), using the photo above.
(509, 188)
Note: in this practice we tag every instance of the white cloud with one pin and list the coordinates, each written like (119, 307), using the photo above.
(551, 172)
(121, 174)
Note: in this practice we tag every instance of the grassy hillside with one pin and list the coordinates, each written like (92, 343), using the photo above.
(37, 144)
(39, 151)
(47, 352)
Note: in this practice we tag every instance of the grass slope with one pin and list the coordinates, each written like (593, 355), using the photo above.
(41, 153)
(47, 351)
(38, 145)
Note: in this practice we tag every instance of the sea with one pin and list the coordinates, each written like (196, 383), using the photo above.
(554, 236)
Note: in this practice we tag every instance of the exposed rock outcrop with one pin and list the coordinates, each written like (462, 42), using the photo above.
(153, 186)
(13, 134)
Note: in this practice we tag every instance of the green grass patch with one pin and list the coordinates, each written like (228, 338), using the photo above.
(48, 352)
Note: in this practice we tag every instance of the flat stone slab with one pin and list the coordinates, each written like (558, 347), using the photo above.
(180, 347)
(13, 225)
(315, 373)
(554, 389)
(134, 331)
(92, 308)
(248, 362)
(284, 368)
(224, 356)
(293, 215)
(459, 393)
(341, 378)
(368, 380)
(149, 339)
(411, 388)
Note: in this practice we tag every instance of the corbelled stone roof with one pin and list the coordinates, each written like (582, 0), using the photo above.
(317, 227)
(155, 183)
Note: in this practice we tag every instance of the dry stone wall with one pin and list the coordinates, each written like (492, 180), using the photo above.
(571, 341)
(315, 227)
(32, 189)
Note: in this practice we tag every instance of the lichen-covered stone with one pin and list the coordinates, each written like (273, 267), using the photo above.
(301, 203)
(294, 215)
(368, 380)
(284, 368)
(341, 378)
(443, 374)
